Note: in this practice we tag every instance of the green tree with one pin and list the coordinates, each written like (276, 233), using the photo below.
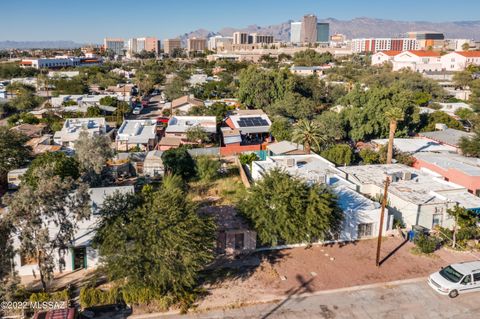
(471, 146)
(430, 120)
(248, 159)
(332, 126)
(63, 166)
(369, 156)
(311, 57)
(309, 135)
(287, 210)
(159, 243)
(340, 154)
(45, 217)
(92, 154)
(394, 115)
(8, 278)
(281, 129)
(13, 152)
(179, 162)
(176, 88)
(197, 134)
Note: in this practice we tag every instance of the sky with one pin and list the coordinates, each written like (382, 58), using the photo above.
(89, 21)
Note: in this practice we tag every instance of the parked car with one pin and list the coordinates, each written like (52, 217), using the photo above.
(456, 279)
(137, 110)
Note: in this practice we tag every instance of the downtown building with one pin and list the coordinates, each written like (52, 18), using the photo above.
(170, 45)
(196, 45)
(115, 45)
(374, 45)
(309, 31)
(219, 42)
(240, 38)
(148, 44)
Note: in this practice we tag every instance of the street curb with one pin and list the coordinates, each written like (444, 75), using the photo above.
(303, 295)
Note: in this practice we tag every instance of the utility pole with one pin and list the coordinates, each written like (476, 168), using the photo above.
(382, 216)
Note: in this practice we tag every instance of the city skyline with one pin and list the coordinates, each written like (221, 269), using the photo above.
(93, 21)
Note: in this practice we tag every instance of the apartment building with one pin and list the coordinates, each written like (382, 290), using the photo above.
(219, 42)
(137, 45)
(116, 45)
(240, 38)
(60, 61)
(169, 45)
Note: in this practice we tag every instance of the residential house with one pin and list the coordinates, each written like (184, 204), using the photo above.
(460, 60)
(414, 145)
(30, 130)
(418, 61)
(452, 108)
(169, 142)
(137, 133)
(361, 215)
(43, 144)
(285, 148)
(185, 103)
(446, 136)
(153, 164)
(125, 91)
(178, 126)
(308, 70)
(246, 130)
(417, 197)
(14, 177)
(461, 170)
(80, 254)
(74, 126)
(381, 57)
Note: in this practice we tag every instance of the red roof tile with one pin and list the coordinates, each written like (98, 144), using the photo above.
(391, 52)
(469, 54)
(421, 53)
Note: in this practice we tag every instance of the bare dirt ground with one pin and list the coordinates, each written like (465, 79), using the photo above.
(301, 270)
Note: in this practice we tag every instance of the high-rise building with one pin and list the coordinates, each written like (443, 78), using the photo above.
(169, 45)
(295, 32)
(323, 32)
(196, 45)
(261, 39)
(116, 45)
(309, 29)
(240, 38)
(137, 45)
(219, 42)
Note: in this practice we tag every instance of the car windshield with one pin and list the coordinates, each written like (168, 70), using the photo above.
(451, 274)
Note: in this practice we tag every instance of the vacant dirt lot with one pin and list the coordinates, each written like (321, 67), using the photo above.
(300, 270)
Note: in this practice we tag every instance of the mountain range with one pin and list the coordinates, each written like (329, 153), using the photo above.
(355, 28)
(359, 28)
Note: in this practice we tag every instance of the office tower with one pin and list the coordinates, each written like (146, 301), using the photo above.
(169, 45)
(428, 40)
(323, 32)
(309, 29)
(295, 32)
(116, 45)
(196, 44)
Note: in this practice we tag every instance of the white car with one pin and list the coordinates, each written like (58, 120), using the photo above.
(137, 110)
(456, 279)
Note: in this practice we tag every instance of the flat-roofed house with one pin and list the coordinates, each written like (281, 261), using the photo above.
(73, 127)
(137, 133)
(178, 126)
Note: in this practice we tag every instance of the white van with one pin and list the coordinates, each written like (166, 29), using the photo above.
(456, 279)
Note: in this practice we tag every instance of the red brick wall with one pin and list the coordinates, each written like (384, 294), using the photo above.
(233, 149)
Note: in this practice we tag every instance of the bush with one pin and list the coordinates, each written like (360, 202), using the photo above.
(63, 295)
(90, 297)
(369, 156)
(340, 154)
(207, 168)
(425, 244)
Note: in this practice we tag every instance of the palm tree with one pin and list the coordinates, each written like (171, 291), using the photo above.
(394, 115)
(308, 134)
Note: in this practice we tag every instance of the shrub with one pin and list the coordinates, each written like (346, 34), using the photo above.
(63, 295)
(90, 297)
(425, 244)
(207, 168)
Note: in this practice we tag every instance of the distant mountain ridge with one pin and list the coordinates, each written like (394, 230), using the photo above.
(358, 28)
(61, 44)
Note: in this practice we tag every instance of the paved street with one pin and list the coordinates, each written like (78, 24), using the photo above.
(406, 301)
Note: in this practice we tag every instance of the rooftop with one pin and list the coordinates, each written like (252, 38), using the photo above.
(284, 147)
(250, 122)
(186, 99)
(447, 136)
(72, 127)
(412, 185)
(415, 145)
(466, 165)
(137, 131)
(469, 54)
(467, 267)
(183, 123)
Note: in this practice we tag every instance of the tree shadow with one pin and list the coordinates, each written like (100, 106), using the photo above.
(304, 287)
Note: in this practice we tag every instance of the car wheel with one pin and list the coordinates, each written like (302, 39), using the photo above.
(453, 294)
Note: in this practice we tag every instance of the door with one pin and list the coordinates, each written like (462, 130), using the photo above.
(466, 285)
(476, 282)
(79, 258)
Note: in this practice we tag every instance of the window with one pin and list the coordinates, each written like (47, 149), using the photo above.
(239, 241)
(476, 278)
(437, 220)
(27, 260)
(365, 230)
(466, 280)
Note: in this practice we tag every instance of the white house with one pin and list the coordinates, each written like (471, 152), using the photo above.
(80, 254)
(361, 215)
(418, 61)
(141, 133)
(73, 127)
(417, 197)
(460, 60)
(178, 126)
(384, 56)
(153, 164)
(451, 108)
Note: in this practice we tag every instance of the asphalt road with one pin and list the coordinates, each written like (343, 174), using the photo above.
(406, 301)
